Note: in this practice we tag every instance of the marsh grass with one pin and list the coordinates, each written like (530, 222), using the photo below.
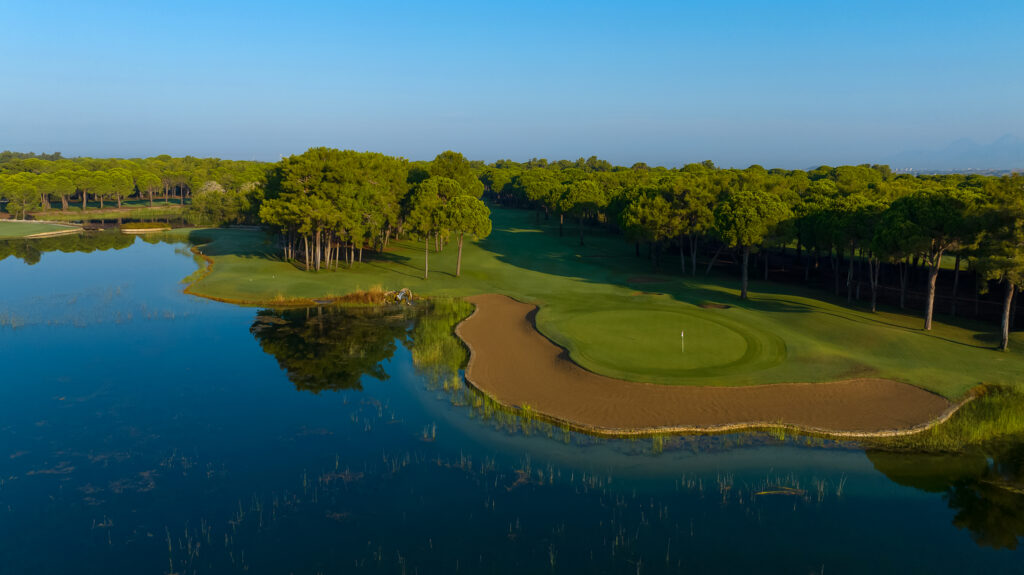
(996, 413)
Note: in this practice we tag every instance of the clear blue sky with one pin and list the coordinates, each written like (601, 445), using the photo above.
(782, 84)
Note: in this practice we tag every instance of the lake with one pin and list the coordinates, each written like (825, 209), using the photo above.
(143, 430)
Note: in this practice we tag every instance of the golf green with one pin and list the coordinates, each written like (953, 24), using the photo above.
(619, 317)
(657, 336)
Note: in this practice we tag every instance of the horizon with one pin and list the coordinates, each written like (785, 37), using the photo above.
(677, 165)
(667, 85)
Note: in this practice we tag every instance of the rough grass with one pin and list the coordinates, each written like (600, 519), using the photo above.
(629, 329)
(9, 229)
(996, 414)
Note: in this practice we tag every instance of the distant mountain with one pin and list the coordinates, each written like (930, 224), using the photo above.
(1006, 153)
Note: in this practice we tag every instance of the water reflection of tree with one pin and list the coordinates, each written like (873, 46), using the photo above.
(984, 485)
(991, 508)
(437, 353)
(331, 348)
(31, 250)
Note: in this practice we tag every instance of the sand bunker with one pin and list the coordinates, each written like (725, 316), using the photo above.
(516, 365)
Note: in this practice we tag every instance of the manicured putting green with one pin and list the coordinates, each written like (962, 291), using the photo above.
(655, 337)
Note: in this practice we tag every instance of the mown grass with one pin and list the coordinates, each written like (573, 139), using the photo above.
(618, 317)
(9, 229)
(129, 210)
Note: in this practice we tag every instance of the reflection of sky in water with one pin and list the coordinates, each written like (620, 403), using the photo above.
(111, 286)
(179, 445)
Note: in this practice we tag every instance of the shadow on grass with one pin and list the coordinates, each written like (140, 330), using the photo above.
(591, 263)
(240, 243)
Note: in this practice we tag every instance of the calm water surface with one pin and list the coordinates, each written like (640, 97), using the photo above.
(146, 431)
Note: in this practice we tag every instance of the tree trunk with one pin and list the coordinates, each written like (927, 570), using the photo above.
(933, 274)
(101, 201)
(837, 262)
(713, 259)
(151, 197)
(1013, 313)
(874, 269)
(458, 261)
(119, 201)
(426, 256)
(63, 202)
(85, 197)
(849, 275)
(903, 271)
(693, 254)
(305, 243)
(682, 254)
(956, 284)
(561, 221)
(318, 255)
(1004, 340)
(746, 258)
(977, 295)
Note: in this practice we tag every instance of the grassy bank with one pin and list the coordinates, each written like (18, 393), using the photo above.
(996, 415)
(619, 318)
(129, 210)
(19, 229)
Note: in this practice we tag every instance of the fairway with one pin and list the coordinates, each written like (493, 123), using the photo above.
(10, 229)
(617, 317)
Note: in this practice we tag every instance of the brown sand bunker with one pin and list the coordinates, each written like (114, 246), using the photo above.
(516, 365)
(713, 305)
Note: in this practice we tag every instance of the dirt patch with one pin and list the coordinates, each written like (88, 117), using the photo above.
(516, 365)
(712, 305)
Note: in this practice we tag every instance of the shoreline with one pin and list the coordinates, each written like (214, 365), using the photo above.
(859, 405)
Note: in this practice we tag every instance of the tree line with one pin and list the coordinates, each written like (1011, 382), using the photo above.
(31, 183)
(328, 205)
(859, 225)
(860, 221)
